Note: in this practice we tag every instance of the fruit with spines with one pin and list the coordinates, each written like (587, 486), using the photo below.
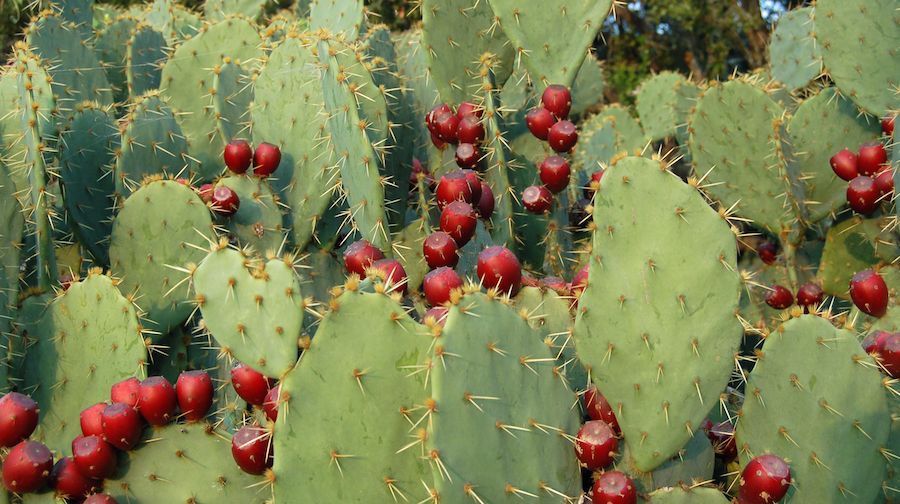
(458, 219)
(439, 285)
(562, 136)
(869, 292)
(537, 199)
(554, 173)
(27, 467)
(158, 401)
(845, 165)
(779, 297)
(194, 390)
(440, 249)
(613, 487)
(765, 480)
(596, 444)
(18, 418)
(557, 99)
(251, 448)
(69, 482)
(271, 403)
(539, 121)
(810, 295)
(94, 457)
(251, 385)
(393, 273)
(91, 420)
(871, 158)
(359, 255)
(266, 159)
(498, 268)
(121, 426)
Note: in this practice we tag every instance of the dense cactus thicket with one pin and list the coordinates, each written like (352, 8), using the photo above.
(434, 266)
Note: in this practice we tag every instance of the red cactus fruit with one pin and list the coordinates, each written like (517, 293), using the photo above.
(439, 283)
(458, 219)
(27, 467)
(486, 202)
(765, 480)
(539, 121)
(767, 251)
(613, 487)
(862, 195)
(252, 450)
(394, 274)
(358, 256)
(596, 444)
(251, 385)
(467, 155)
(458, 185)
(875, 341)
(887, 126)
(194, 390)
(537, 199)
(469, 109)
(558, 100)
(598, 408)
(845, 165)
(94, 457)
(434, 113)
(580, 280)
(91, 419)
(69, 482)
(555, 172)
(810, 295)
(563, 136)
(440, 249)
(238, 155)
(127, 391)
(884, 183)
(889, 354)
(498, 268)
(266, 159)
(469, 130)
(225, 201)
(121, 426)
(18, 418)
(445, 126)
(438, 313)
(869, 293)
(270, 405)
(158, 401)
(206, 192)
(871, 158)
(779, 297)
(721, 435)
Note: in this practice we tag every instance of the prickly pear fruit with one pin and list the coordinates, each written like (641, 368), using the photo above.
(862, 195)
(251, 385)
(238, 156)
(270, 405)
(121, 426)
(27, 467)
(251, 449)
(845, 165)
(539, 121)
(869, 293)
(158, 401)
(765, 480)
(394, 273)
(225, 201)
(92, 420)
(498, 268)
(94, 457)
(767, 252)
(558, 100)
(809, 294)
(555, 172)
(537, 199)
(779, 297)
(439, 284)
(100, 499)
(266, 159)
(563, 136)
(127, 391)
(871, 158)
(595, 444)
(613, 487)
(440, 249)
(195, 394)
(598, 408)
(458, 219)
(18, 418)
(486, 202)
(69, 482)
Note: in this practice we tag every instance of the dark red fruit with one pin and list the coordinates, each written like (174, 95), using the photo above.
(358, 256)
(845, 165)
(69, 482)
(470, 130)
(613, 487)
(225, 201)
(555, 173)
(721, 435)
(869, 293)
(18, 418)
(563, 136)
(539, 121)
(779, 297)
(158, 401)
(767, 251)
(458, 219)
(250, 384)
(394, 274)
(498, 268)
(127, 391)
(438, 313)
(100, 499)
(596, 444)
(266, 159)
(195, 394)
(598, 408)
(558, 100)
(887, 126)
(434, 113)
(440, 249)
(884, 183)
(862, 195)
(810, 295)
(580, 280)
(457, 185)
(252, 450)
(765, 480)
(437, 142)
(439, 283)
(92, 420)
(871, 158)
(889, 354)
(593, 184)
(537, 199)
(27, 467)
(94, 457)
(238, 155)
(874, 341)
(205, 192)
(121, 426)
(468, 109)
(270, 405)
(486, 202)
(467, 155)
(445, 125)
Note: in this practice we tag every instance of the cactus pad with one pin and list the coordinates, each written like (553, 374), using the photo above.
(111, 46)
(794, 56)
(608, 135)
(217, 10)
(257, 222)
(338, 16)
(144, 58)
(851, 246)
(662, 102)
(232, 99)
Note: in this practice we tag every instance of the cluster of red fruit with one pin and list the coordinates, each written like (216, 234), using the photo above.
(105, 428)
(550, 122)
(238, 157)
(251, 445)
(462, 128)
(869, 173)
(884, 347)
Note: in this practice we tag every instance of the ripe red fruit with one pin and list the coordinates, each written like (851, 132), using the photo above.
(437, 142)
(445, 126)
(580, 280)
(555, 172)
(467, 155)
(18, 418)
(869, 293)
(486, 202)
(439, 283)
(27, 467)
(100, 499)
(238, 155)
(884, 183)
(394, 274)
(92, 420)
(537, 199)
(845, 165)
(457, 185)
(250, 384)
(225, 201)
(438, 313)
(889, 354)
(195, 394)
(121, 426)
(94, 457)
(270, 405)
(871, 158)
(539, 121)
(613, 487)
(810, 294)
(765, 480)
(767, 251)
(251, 449)
(598, 408)
(266, 159)
(874, 341)
(779, 297)
(862, 195)
(887, 126)
(205, 192)
(469, 130)
(127, 391)
(721, 435)
(358, 256)
(595, 444)
(558, 100)
(498, 268)
(458, 219)
(593, 184)
(158, 401)
(69, 482)
(468, 109)
(563, 136)
(440, 249)
(434, 113)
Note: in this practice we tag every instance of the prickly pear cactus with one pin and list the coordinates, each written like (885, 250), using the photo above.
(608, 135)
(694, 463)
(662, 104)
(217, 10)
(637, 328)
(258, 221)
(854, 245)
(810, 374)
(111, 47)
(144, 58)
(233, 95)
(794, 57)
(12, 225)
(338, 16)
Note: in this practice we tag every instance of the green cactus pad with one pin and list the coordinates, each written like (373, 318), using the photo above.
(407, 248)
(77, 346)
(217, 10)
(498, 392)
(104, 14)
(187, 80)
(587, 90)
(111, 47)
(371, 101)
(161, 230)
(859, 43)
(695, 495)
(457, 35)
(257, 222)
(87, 152)
(151, 144)
(794, 57)
(363, 380)
(233, 96)
(255, 315)
(12, 226)
(811, 374)
(77, 12)
(551, 60)
(184, 463)
(144, 57)
(185, 24)
(694, 463)
(338, 16)
(820, 127)
(320, 270)
(662, 103)
(735, 144)
(609, 134)
(637, 324)
(851, 246)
